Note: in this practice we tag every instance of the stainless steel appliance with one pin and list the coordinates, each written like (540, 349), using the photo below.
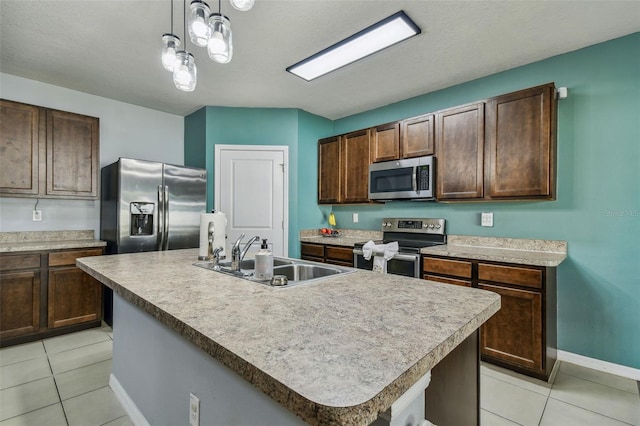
(149, 206)
(411, 235)
(408, 179)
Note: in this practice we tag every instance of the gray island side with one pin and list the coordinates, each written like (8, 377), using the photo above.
(336, 351)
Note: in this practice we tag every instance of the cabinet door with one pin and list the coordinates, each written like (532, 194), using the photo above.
(385, 142)
(72, 155)
(19, 303)
(460, 152)
(342, 256)
(329, 170)
(417, 136)
(521, 143)
(314, 252)
(514, 333)
(74, 297)
(356, 160)
(20, 135)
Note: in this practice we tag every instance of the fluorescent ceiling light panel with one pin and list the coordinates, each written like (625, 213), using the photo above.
(383, 34)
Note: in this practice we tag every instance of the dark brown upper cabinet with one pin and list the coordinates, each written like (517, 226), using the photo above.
(460, 152)
(521, 144)
(404, 139)
(48, 153)
(329, 174)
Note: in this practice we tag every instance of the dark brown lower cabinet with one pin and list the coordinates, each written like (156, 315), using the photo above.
(522, 335)
(43, 294)
(335, 255)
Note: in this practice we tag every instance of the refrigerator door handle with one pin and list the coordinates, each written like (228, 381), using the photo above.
(166, 218)
(161, 227)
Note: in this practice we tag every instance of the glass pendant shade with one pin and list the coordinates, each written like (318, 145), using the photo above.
(199, 31)
(242, 5)
(185, 72)
(220, 46)
(170, 45)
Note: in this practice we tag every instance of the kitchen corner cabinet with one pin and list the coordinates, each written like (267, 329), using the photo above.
(43, 294)
(326, 253)
(522, 335)
(343, 168)
(48, 153)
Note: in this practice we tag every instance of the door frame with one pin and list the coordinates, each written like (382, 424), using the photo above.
(285, 197)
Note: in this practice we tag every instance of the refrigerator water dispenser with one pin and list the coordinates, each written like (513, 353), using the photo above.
(141, 218)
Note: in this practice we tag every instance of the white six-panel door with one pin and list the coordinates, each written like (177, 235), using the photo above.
(251, 189)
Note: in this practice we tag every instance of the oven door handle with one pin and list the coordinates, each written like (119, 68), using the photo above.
(396, 256)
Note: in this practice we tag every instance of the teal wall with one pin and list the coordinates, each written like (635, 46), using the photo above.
(598, 193)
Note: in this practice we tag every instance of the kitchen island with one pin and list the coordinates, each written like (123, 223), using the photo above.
(336, 351)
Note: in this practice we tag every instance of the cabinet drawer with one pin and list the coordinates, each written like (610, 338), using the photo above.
(447, 280)
(66, 258)
(344, 254)
(527, 277)
(19, 261)
(312, 250)
(457, 268)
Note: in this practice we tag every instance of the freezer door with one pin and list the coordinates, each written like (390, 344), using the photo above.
(185, 198)
(138, 207)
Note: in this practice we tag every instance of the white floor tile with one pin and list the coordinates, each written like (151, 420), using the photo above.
(80, 357)
(526, 382)
(511, 402)
(122, 421)
(621, 383)
(22, 352)
(94, 408)
(487, 418)
(561, 413)
(84, 379)
(49, 416)
(21, 399)
(75, 340)
(605, 400)
(19, 373)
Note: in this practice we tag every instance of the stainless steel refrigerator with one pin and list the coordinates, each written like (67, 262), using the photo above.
(149, 206)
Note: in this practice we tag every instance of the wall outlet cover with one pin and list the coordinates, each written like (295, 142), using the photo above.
(37, 215)
(486, 219)
(194, 410)
(355, 218)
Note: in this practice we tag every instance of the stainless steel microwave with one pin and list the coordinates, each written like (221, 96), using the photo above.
(408, 179)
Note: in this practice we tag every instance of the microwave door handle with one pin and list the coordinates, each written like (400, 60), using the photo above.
(414, 179)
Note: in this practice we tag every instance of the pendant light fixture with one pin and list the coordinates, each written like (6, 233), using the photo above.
(220, 46)
(199, 31)
(242, 5)
(170, 45)
(184, 70)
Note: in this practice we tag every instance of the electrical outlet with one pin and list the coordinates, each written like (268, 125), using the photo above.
(37, 215)
(194, 410)
(486, 219)
(355, 218)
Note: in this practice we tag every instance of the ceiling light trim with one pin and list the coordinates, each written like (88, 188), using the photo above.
(358, 46)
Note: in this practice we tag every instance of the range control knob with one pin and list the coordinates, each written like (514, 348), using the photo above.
(438, 226)
(388, 224)
(431, 226)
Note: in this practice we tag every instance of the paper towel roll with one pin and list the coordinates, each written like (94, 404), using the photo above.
(219, 233)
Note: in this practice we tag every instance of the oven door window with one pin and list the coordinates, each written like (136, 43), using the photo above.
(394, 266)
(392, 180)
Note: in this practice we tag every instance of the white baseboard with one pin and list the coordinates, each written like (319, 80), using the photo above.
(129, 406)
(596, 364)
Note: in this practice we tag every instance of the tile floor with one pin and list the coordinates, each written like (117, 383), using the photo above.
(64, 381)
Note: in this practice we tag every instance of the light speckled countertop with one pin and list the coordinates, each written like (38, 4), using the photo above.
(346, 237)
(336, 351)
(11, 242)
(509, 250)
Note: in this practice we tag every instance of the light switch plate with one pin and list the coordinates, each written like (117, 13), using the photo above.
(486, 219)
(355, 218)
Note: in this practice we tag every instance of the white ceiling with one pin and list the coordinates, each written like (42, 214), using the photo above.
(112, 48)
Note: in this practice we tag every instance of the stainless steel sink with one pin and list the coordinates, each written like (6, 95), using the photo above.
(297, 271)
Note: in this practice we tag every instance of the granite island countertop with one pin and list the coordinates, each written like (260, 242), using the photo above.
(335, 351)
(15, 242)
(509, 250)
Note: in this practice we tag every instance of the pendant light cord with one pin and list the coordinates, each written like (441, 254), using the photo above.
(184, 29)
(172, 17)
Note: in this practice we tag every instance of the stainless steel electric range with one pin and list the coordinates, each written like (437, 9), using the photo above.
(412, 234)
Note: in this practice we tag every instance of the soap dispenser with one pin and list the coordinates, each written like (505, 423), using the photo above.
(264, 262)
